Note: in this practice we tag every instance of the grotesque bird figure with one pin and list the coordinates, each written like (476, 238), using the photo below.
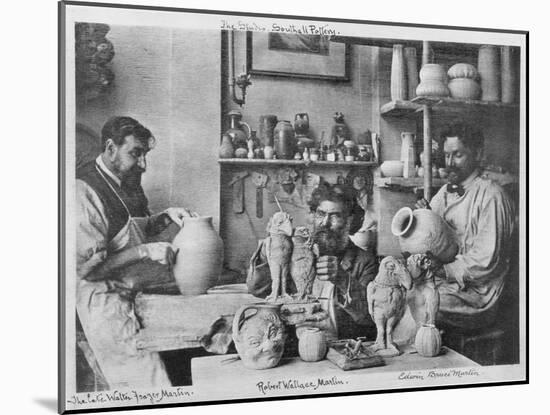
(386, 297)
(302, 264)
(423, 299)
(277, 248)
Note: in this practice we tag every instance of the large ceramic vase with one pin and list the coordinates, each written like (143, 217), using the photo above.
(312, 345)
(428, 341)
(259, 335)
(398, 81)
(421, 231)
(200, 256)
(488, 66)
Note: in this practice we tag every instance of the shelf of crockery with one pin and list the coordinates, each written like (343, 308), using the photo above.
(279, 162)
(443, 105)
(406, 182)
(502, 179)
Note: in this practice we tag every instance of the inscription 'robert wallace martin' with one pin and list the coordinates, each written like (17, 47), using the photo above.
(294, 384)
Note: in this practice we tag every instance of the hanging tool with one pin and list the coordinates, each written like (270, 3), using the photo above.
(238, 191)
(260, 180)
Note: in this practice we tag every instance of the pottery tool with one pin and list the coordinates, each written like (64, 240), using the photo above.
(278, 204)
(260, 180)
(238, 191)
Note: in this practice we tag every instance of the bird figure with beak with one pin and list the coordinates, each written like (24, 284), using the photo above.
(386, 297)
(302, 264)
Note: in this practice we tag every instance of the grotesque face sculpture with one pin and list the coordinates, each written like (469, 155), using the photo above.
(261, 338)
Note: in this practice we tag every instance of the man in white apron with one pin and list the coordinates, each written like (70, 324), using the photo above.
(110, 246)
(482, 216)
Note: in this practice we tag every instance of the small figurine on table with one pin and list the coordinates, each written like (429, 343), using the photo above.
(277, 248)
(302, 264)
(386, 297)
(423, 298)
(423, 302)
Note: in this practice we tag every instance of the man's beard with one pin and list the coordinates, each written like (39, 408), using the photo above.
(132, 179)
(331, 242)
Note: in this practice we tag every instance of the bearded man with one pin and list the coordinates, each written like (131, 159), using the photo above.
(347, 266)
(113, 252)
(482, 216)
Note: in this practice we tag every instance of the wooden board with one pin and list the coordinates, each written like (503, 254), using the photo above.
(364, 359)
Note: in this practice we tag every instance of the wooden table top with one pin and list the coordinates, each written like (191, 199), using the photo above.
(225, 376)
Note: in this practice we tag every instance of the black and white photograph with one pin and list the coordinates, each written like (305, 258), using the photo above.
(265, 206)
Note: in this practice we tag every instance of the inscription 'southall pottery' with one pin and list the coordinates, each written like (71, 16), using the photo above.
(312, 345)
(200, 257)
(428, 341)
(259, 335)
(285, 142)
(421, 231)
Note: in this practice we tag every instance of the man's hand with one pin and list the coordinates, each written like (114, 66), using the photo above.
(176, 215)
(422, 204)
(162, 252)
(327, 268)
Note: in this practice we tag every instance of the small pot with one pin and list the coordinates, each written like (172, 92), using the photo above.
(428, 341)
(312, 345)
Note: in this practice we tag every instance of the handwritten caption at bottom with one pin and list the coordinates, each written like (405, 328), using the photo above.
(135, 397)
(438, 374)
(298, 385)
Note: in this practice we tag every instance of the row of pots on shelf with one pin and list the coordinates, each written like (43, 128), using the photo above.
(494, 79)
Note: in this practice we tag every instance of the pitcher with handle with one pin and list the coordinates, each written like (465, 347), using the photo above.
(259, 335)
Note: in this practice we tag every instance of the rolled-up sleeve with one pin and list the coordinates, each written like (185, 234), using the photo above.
(484, 252)
(91, 230)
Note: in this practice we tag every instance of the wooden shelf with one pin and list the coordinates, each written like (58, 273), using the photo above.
(409, 182)
(461, 104)
(278, 162)
(400, 109)
(441, 105)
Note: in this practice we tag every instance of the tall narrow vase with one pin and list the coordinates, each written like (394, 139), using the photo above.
(200, 256)
(488, 66)
(398, 74)
(412, 72)
(508, 75)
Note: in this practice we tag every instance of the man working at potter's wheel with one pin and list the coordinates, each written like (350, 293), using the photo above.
(112, 246)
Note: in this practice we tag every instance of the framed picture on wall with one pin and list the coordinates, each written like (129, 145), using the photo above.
(298, 56)
(199, 271)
